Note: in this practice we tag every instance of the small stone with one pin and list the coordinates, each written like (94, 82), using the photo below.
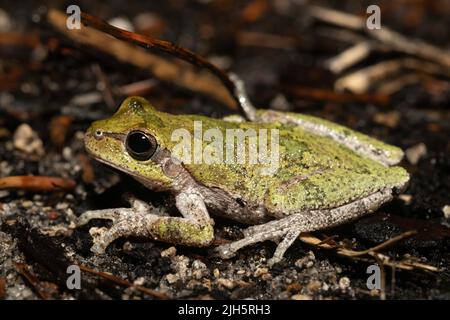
(200, 269)
(309, 264)
(240, 271)
(260, 271)
(314, 285)
(446, 211)
(389, 119)
(266, 277)
(227, 283)
(169, 252)
(407, 198)
(149, 23)
(26, 140)
(300, 297)
(122, 22)
(172, 278)
(139, 281)
(415, 153)
(27, 204)
(280, 103)
(67, 153)
(52, 215)
(300, 263)
(62, 206)
(344, 283)
(4, 193)
(128, 246)
(216, 273)
(5, 21)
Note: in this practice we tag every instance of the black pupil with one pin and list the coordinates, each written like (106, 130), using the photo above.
(139, 143)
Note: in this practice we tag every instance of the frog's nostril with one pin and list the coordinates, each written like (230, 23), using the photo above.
(98, 134)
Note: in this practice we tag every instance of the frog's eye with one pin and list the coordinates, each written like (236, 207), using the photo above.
(140, 145)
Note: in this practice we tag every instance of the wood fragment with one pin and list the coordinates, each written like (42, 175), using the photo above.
(17, 39)
(361, 80)
(138, 88)
(369, 255)
(2, 288)
(350, 57)
(338, 97)
(104, 86)
(265, 40)
(59, 126)
(88, 175)
(37, 183)
(125, 283)
(45, 290)
(386, 36)
(183, 75)
(382, 246)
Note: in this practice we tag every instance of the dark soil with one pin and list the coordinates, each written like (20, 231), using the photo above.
(36, 247)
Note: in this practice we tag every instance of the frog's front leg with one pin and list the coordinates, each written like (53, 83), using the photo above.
(195, 228)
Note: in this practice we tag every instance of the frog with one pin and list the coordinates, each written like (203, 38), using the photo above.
(327, 175)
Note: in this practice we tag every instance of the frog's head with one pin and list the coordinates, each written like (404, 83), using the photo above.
(131, 141)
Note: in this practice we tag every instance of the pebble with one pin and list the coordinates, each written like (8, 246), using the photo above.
(172, 278)
(216, 273)
(260, 271)
(280, 103)
(26, 140)
(344, 283)
(122, 23)
(314, 285)
(227, 283)
(27, 204)
(169, 252)
(415, 153)
(5, 21)
(4, 193)
(306, 261)
(139, 281)
(446, 211)
(149, 23)
(301, 297)
(200, 269)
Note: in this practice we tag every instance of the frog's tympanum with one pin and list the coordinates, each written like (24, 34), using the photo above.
(325, 175)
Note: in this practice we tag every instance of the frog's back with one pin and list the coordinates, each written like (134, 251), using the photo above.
(312, 172)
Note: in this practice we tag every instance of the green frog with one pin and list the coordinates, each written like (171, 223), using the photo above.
(290, 173)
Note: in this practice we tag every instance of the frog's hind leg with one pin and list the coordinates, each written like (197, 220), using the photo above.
(289, 228)
(360, 143)
(193, 229)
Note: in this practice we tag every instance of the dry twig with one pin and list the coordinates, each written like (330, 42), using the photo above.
(125, 283)
(37, 183)
(408, 263)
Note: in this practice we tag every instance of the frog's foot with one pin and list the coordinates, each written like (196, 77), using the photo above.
(272, 231)
(290, 227)
(126, 222)
(195, 228)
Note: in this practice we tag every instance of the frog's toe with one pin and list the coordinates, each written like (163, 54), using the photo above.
(107, 214)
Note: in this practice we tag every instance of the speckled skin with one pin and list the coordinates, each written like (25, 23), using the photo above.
(323, 168)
